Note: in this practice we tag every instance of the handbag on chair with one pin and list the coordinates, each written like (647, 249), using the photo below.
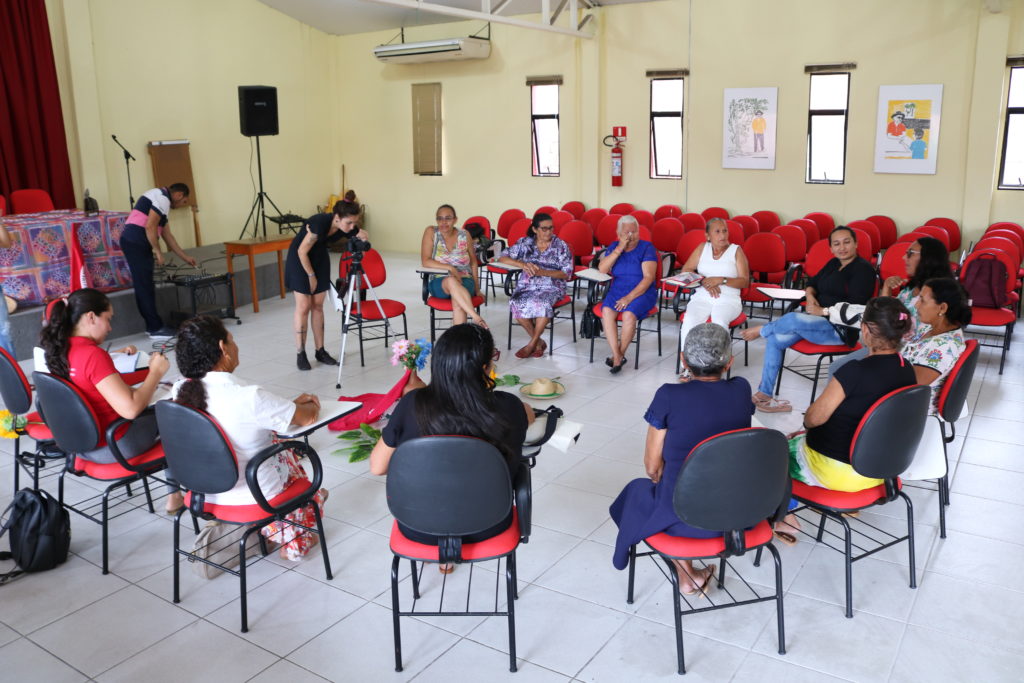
(217, 545)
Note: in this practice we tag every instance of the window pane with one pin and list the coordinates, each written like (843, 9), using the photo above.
(1017, 87)
(545, 99)
(545, 133)
(829, 91)
(667, 94)
(667, 146)
(1013, 165)
(827, 143)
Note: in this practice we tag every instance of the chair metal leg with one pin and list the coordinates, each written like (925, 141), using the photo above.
(757, 557)
(177, 544)
(943, 502)
(103, 525)
(243, 601)
(149, 495)
(395, 608)
(848, 560)
(510, 564)
(323, 540)
(778, 378)
(910, 539)
(677, 614)
(415, 580)
(778, 598)
(722, 564)
(821, 527)
(632, 574)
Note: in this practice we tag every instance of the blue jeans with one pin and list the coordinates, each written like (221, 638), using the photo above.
(138, 253)
(783, 333)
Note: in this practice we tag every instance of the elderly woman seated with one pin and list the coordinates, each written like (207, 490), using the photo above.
(547, 265)
(821, 455)
(681, 416)
(634, 265)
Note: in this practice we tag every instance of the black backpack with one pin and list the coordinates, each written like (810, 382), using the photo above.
(984, 278)
(40, 532)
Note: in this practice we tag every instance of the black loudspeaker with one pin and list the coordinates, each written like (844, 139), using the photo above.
(257, 109)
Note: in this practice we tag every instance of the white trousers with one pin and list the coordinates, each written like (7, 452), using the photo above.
(722, 311)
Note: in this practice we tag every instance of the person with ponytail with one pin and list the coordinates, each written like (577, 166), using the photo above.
(207, 355)
(459, 400)
(71, 339)
(944, 312)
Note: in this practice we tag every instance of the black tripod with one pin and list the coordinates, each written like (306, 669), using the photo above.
(258, 213)
(127, 169)
(343, 297)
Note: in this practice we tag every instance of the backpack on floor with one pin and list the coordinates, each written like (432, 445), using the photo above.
(984, 278)
(40, 532)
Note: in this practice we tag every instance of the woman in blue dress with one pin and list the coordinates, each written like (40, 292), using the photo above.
(633, 263)
(680, 417)
(546, 263)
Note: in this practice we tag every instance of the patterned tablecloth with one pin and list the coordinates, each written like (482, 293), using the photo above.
(37, 266)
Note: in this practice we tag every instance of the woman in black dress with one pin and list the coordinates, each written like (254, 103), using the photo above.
(308, 273)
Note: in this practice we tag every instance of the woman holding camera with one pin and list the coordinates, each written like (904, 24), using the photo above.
(308, 273)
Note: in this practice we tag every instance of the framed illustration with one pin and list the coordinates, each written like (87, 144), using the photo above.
(907, 128)
(748, 127)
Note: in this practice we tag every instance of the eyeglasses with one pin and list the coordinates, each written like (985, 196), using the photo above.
(911, 252)
(545, 227)
(496, 355)
(445, 219)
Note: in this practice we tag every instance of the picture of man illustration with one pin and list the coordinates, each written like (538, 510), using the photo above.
(918, 148)
(896, 131)
(758, 125)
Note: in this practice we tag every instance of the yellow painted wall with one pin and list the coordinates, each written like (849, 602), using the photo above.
(159, 71)
(339, 105)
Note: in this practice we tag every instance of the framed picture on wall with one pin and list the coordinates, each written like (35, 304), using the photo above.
(907, 128)
(748, 127)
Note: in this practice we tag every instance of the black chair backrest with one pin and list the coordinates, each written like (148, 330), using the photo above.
(954, 392)
(887, 437)
(69, 416)
(448, 485)
(734, 480)
(196, 448)
(14, 388)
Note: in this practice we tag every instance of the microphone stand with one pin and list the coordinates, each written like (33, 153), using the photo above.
(128, 170)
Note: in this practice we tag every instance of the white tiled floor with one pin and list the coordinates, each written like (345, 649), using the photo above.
(573, 623)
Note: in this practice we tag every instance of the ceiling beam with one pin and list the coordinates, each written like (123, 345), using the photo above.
(574, 30)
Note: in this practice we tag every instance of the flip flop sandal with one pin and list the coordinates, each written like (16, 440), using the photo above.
(542, 347)
(523, 353)
(609, 362)
(701, 591)
(774, 405)
(616, 369)
(786, 537)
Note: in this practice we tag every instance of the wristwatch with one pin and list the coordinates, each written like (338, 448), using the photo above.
(826, 311)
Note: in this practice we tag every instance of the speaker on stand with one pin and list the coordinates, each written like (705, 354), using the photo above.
(257, 115)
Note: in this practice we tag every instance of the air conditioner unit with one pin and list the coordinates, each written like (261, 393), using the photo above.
(434, 50)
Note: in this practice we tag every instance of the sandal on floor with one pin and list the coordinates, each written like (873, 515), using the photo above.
(446, 568)
(542, 347)
(786, 537)
(616, 369)
(524, 352)
(609, 362)
(701, 591)
(773, 405)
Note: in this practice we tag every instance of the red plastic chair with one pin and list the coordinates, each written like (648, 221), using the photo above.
(1014, 237)
(1006, 225)
(824, 222)
(910, 237)
(560, 218)
(607, 229)
(667, 211)
(951, 227)
(366, 314)
(518, 230)
(31, 201)
(749, 224)
(736, 235)
(577, 209)
(643, 217)
(714, 212)
(864, 246)
(688, 243)
(818, 255)
(666, 234)
(939, 233)
(872, 230)
(767, 220)
(692, 221)
(622, 208)
(549, 210)
(592, 217)
(482, 220)
(886, 229)
(993, 317)
(996, 242)
(506, 220)
(645, 234)
(580, 239)
(893, 263)
(810, 229)
(766, 254)
(795, 240)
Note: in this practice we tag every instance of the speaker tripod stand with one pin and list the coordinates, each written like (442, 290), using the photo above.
(343, 297)
(258, 212)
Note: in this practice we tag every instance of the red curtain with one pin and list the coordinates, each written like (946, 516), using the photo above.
(33, 148)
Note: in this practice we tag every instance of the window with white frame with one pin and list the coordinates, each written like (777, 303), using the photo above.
(544, 126)
(666, 127)
(1011, 166)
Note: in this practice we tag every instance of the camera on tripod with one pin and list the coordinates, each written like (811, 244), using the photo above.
(358, 247)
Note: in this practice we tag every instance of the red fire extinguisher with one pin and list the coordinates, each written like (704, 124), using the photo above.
(617, 138)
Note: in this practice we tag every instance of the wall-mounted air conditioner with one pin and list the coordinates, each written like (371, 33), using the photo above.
(434, 50)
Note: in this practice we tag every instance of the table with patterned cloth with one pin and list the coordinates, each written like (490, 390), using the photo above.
(37, 266)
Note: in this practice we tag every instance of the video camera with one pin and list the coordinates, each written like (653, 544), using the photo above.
(357, 246)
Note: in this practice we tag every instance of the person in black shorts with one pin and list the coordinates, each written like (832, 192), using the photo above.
(308, 273)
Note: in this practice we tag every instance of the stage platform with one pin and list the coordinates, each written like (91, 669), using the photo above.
(26, 323)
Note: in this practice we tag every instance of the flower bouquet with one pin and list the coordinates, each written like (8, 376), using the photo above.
(10, 424)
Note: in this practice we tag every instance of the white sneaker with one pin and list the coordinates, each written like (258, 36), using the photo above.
(163, 334)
